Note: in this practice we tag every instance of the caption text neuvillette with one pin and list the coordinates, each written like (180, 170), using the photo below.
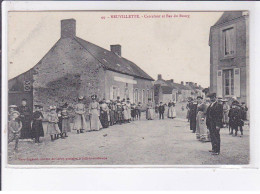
(145, 16)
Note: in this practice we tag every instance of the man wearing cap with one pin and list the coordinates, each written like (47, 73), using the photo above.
(214, 117)
(25, 116)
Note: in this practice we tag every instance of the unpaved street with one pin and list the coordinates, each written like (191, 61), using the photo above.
(156, 142)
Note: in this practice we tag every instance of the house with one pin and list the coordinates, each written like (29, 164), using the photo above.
(74, 67)
(168, 90)
(229, 56)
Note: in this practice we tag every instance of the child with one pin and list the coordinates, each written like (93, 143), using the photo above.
(15, 126)
(65, 121)
(11, 109)
(37, 128)
(53, 128)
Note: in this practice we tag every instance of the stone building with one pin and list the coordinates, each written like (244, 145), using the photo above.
(168, 90)
(229, 56)
(74, 67)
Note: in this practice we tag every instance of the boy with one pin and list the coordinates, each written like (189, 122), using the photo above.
(15, 126)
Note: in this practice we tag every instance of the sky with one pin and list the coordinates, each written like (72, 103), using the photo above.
(176, 47)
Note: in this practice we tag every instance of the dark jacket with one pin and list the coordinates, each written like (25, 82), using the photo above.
(214, 114)
(161, 108)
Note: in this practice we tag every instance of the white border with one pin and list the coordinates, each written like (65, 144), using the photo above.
(162, 177)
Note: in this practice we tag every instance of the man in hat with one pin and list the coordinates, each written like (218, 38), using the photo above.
(193, 115)
(214, 118)
(37, 128)
(25, 116)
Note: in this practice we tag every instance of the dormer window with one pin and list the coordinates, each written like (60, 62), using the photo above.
(118, 65)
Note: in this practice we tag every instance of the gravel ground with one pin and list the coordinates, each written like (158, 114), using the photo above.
(156, 142)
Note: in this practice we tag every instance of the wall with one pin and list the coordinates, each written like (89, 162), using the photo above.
(240, 59)
(110, 80)
(66, 72)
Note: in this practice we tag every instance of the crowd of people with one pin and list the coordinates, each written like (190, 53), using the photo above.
(207, 116)
(23, 124)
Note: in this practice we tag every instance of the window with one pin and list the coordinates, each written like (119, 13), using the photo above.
(152, 96)
(126, 91)
(143, 96)
(229, 41)
(228, 76)
(136, 96)
(147, 95)
(115, 92)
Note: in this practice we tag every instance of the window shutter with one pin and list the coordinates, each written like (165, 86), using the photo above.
(219, 83)
(237, 82)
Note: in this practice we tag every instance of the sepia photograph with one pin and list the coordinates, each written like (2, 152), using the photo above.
(128, 88)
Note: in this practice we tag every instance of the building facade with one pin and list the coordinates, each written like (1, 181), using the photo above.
(229, 56)
(74, 67)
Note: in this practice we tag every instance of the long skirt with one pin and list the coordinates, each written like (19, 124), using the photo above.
(80, 122)
(225, 117)
(104, 119)
(171, 112)
(26, 131)
(150, 113)
(53, 129)
(129, 113)
(202, 133)
(66, 125)
(112, 117)
(37, 129)
(125, 114)
(95, 123)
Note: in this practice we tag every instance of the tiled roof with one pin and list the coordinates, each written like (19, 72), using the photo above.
(228, 15)
(112, 61)
(166, 89)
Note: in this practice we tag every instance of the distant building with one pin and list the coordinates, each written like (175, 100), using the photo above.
(74, 67)
(168, 90)
(229, 56)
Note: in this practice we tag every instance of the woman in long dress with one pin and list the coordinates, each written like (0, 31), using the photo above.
(80, 123)
(128, 105)
(150, 110)
(170, 110)
(94, 109)
(104, 114)
(201, 128)
(65, 120)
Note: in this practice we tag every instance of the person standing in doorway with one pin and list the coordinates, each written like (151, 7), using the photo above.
(25, 116)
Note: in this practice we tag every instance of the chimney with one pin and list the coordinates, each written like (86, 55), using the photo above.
(187, 83)
(116, 49)
(182, 83)
(172, 80)
(196, 84)
(68, 28)
(159, 76)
